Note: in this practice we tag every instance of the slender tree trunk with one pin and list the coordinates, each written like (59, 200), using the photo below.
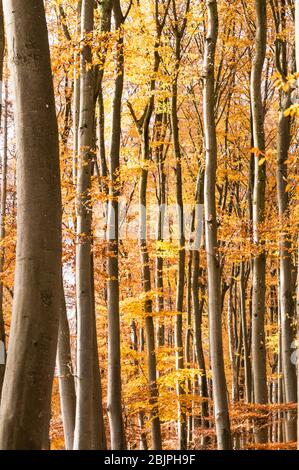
(285, 259)
(182, 424)
(246, 348)
(30, 366)
(285, 272)
(114, 369)
(214, 294)
(160, 160)
(84, 288)
(65, 376)
(259, 261)
(76, 105)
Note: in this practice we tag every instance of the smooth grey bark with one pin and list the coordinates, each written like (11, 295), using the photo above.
(87, 409)
(213, 267)
(179, 30)
(105, 28)
(114, 400)
(76, 100)
(66, 376)
(26, 398)
(259, 261)
(285, 258)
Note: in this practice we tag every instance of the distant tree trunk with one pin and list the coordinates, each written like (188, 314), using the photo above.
(198, 305)
(99, 441)
(134, 343)
(259, 261)
(65, 376)
(26, 398)
(246, 348)
(114, 404)
(214, 293)
(182, 424)
(149, 323)
(160, 160)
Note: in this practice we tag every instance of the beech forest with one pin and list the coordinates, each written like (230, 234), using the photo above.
(149, 248)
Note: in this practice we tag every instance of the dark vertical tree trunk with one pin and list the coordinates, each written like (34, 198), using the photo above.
(259, 261)
(114, 368)
(85, 310)
(213, 267)
(26, 398)
(285, 258)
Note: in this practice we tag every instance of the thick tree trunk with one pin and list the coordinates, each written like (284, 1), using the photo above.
(285, 272)
(214, 294)
(26, 398)
(259, 262)
(285, 258)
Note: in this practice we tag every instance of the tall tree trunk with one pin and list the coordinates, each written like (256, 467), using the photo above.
(114, 369)
(86, 347)
(285, 259)
(26, 398)
(182, 424)
(259, 261)
(149, 323)
(160, 160)
(214, 293)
